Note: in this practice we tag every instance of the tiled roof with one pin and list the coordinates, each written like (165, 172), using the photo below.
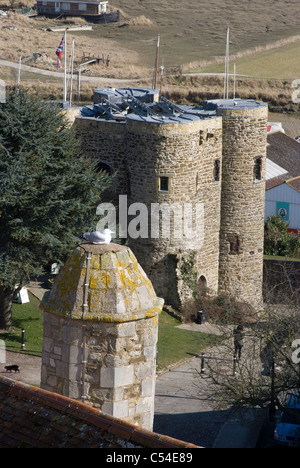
(294, 183)
(271, 183)
(34, 418)
(285, 152)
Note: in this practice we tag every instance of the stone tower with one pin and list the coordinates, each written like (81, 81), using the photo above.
(182, 195)
(166, 157)
(243, 198)
(100, 333)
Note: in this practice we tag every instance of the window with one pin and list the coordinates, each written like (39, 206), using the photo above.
(257, 169)
(102, 166)
(66, 6)
(164, 184)
(235, 245)
(202, 284)
(82, 6)
(102, 7)
(217, 170)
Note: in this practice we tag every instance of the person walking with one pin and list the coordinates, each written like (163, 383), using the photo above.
(238, 336)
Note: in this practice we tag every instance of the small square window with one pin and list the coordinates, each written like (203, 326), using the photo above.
(164, 184)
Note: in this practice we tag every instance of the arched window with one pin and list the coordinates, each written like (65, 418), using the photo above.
(202, 285)
(103, 166)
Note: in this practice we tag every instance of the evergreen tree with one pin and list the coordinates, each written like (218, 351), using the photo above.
(278, 241)
(48, 192)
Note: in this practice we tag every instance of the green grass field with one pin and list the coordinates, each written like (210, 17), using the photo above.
(175, 344)
(30, 318)
(196, 30)
(281, 63)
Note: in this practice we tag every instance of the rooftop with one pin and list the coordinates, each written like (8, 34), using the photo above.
(284, 152)
(233, 104)
(34, 418)
(145, 104)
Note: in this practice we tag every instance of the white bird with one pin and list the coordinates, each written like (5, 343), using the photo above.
(98, 237)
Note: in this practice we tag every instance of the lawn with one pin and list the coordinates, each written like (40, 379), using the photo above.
(30, 318)
(174, 344)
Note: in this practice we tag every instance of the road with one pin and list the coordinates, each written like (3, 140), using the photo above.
(59, 75)
(92, 79)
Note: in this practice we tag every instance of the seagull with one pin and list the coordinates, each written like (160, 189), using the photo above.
(98, 237)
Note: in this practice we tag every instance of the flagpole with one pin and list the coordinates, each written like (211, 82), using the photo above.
(156, 64)
(72, 62)
(65, 66)
(226, 66)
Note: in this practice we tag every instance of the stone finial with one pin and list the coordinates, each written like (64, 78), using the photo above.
(118, 289)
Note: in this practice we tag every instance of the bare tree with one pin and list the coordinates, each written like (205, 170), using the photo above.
(268, 369)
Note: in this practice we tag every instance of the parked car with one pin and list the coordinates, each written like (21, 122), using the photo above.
(287, 431)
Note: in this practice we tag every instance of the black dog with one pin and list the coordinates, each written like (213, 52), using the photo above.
(12, 368)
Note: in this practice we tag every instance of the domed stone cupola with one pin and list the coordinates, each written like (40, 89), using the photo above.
(100, 333)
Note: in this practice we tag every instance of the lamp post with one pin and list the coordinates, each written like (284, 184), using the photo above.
(23, 339)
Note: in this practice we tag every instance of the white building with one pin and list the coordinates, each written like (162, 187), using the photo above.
(283, 178)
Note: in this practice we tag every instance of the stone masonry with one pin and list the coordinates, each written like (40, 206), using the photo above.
(243, 203)
(100, 333)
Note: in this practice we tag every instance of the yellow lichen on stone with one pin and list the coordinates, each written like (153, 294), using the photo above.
(116, 290)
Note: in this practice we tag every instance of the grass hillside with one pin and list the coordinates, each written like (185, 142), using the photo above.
(264, 43)
(196, 30)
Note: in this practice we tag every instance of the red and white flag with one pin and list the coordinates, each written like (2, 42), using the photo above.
(59, 52)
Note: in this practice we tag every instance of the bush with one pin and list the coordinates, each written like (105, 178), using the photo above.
(220, 310)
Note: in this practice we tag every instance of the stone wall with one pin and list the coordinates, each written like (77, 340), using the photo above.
(243, 203)
(120, 371)
(105, 141)
(185, 153)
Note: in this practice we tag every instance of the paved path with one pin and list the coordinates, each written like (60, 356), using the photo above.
(184, 407)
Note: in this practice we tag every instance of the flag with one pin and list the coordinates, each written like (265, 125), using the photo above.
(59, 52)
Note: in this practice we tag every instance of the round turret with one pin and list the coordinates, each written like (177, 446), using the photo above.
(243, 198)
